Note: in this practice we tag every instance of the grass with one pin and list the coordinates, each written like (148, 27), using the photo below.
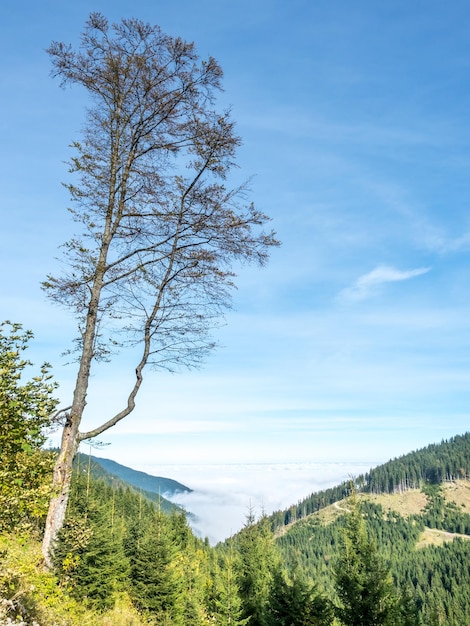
(435, 537)
(408, 503)
(458, 492)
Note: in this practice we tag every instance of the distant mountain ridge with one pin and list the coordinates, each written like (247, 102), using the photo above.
(153, 488)
(165, 487)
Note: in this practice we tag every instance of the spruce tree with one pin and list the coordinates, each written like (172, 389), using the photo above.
(226, 605)
(364, 584)
(258, 562)
(156, 581)
(193, 570)
(295, 602)
(88, 555)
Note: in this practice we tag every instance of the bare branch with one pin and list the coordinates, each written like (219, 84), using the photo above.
(160, 232)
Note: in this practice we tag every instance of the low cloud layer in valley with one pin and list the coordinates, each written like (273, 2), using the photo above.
(223, 494)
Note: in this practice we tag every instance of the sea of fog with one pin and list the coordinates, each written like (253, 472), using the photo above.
(223, 494)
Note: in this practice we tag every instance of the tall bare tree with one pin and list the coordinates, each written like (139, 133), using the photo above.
(160, 230)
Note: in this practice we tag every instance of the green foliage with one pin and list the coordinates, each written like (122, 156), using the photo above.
(17, 601)
(440, 579)
(26, 409)
(25, 491)
(156, 583)
(448, 460)
(363, 581)
(315, 544)
(168, 569)
(259, 559)
(435, 580)
(122, 560)
(33, 597)
(296, 602)
(444, 515)
(89, 556)
(223, 597)
(27, 593)
(114, 540)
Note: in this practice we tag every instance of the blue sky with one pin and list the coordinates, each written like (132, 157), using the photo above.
(354, 343)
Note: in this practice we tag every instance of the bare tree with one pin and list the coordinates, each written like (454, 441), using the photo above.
(161, 231)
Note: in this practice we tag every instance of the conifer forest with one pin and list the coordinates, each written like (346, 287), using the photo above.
(126, 556)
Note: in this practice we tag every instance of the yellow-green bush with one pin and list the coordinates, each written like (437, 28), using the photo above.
(25, 494)
(31, 596)
(27, 409)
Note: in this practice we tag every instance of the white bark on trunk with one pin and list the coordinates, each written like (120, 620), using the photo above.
(62, 479)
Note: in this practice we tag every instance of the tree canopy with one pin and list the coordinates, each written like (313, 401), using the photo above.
(26, 412)
(161, 232)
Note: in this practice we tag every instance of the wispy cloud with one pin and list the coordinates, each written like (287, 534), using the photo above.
(446, 245)
(367, 285)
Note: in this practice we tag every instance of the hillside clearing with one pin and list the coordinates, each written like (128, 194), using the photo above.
(458, 492)
(435, 537)
(407, 503)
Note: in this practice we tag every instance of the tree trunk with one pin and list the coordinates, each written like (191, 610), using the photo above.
(62, 479)
(70, 435)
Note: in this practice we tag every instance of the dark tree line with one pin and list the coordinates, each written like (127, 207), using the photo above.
(437, 463)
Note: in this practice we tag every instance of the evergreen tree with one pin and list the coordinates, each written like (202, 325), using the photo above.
(258, 562)
(226, 605)
(192, 564)
(295, 602)
(156, 580)
(89, 555)
(363, 581)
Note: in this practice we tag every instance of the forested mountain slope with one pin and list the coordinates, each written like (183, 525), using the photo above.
(166, 487)
(432, 564)
(121, 560)
(434, 464)
(417, 512)
(119, 476)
